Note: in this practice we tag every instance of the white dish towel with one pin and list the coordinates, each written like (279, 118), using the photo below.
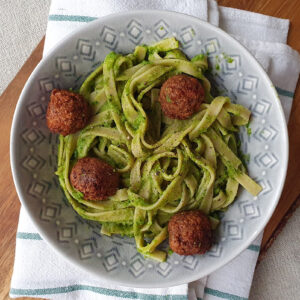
(39, 272)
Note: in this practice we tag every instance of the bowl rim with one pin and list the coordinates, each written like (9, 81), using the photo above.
(73, 260)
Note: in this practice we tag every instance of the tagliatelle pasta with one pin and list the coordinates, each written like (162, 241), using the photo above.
(166, 165)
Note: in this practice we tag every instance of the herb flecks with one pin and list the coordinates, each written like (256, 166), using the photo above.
(227, 58)
(218, 62)
(220, 58)
(248, 128)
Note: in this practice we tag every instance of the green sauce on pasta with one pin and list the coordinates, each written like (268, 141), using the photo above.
(166, 165)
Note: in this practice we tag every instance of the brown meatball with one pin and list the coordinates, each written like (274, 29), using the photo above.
(67, 112)
(95, 178)
(190, 233)
(181, 96)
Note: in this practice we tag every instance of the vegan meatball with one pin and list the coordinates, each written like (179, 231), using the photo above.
(95, 178)
(67, 112)
(181, 96)
(190, 233)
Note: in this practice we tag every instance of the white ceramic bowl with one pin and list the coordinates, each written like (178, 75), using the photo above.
(34, 148)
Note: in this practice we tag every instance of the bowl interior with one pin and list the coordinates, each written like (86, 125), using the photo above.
(34, 148)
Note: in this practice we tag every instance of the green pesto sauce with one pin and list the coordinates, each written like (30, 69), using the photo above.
(138, 121)
(220, 184)
(228, 58)
(110, 58)
(223, 57)
(170, 252)
(231, 171)
(119, 228)
(199, 57)
(248, 128)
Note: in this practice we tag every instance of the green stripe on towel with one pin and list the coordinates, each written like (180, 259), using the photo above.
(103, 291)
(69, 18)
(255, 248)
(28, 236)
(223, 295)
(284, 92)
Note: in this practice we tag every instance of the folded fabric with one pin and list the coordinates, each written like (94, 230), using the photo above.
(39, 272)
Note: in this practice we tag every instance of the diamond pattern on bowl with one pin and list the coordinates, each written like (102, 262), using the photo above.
(135, 32)
(266, 185)
(215, 250)
(33, 162)
(249, 209)
(212, 46)
(247, 84)
(32, 136)
(137, 265)
(266, 133)
(38, 189)
(161, 29)
(261, 107)
(87, 248)
(164, 268)
(85, 50)
(47, 85)
(109, 38)
(37, 110)
(67, 232)
(229, 67)
(190, 262)
(266, 160)
(50, 212)
(187, 35)
(233, 230)
(65, 66)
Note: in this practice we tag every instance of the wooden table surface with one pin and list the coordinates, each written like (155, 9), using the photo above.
(10, 205)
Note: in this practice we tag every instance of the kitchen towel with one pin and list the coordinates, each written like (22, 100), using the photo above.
(40, 272)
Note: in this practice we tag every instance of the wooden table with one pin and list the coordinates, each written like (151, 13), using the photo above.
(10, 205)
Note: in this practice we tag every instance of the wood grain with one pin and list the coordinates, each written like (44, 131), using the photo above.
(10, 205)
